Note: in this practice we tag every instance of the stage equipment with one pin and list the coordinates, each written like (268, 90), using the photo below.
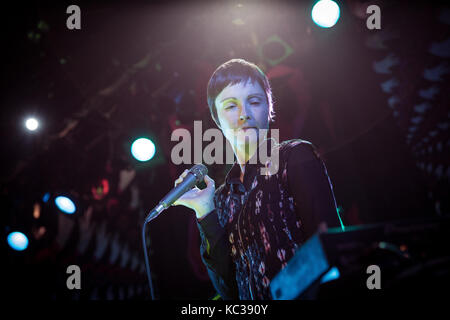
(413, 257)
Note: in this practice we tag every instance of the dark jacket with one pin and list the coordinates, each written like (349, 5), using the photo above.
(257, 225)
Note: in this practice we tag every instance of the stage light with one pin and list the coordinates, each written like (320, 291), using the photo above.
(31, 124)
(46, 197)
(143, 149)
(325, 13)
(17, 241)
(331, 275)
(65, 205)
(100, 190)
(36, 211)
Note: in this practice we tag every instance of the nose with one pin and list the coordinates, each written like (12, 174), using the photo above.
(244, 114)
(244, 118)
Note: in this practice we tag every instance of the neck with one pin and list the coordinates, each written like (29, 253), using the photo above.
(244, 154)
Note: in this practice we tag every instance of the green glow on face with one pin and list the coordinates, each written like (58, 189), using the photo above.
(230, 101)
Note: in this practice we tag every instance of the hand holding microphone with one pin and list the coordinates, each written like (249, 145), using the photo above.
(187, 194)
(201, 201)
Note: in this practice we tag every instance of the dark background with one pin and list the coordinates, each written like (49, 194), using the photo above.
(374, 102)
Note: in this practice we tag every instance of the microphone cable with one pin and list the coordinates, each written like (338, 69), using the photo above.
(147, 265)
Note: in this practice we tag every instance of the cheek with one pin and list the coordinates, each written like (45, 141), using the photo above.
(227, 120)
(227, 126)
(262, 117)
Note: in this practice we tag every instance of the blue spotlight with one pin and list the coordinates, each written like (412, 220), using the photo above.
(65, 204)
(46, 197)
(143, 149)
(332, 274)
(325, 13)
(18, 241)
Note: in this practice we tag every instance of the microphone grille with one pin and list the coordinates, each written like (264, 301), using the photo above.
(199, 171)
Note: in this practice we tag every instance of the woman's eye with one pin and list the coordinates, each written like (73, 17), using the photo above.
(229, 107)
(255, 102)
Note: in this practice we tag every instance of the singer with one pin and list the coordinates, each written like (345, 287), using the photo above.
(252, 224)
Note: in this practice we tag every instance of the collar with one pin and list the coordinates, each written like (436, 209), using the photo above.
(251, 167)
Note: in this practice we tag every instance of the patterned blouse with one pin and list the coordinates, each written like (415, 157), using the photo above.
(258, 225)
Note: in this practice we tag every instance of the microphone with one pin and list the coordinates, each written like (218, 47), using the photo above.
(194, 176)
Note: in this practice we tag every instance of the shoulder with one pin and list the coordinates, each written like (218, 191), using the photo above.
(219, 191)
(298, 150)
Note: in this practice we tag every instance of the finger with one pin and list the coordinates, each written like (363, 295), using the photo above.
(176, 203)
(209, 182)
(180, 178)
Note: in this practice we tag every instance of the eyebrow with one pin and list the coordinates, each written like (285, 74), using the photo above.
(249, 96)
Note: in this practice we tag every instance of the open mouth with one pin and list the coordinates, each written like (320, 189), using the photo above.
(248, 128)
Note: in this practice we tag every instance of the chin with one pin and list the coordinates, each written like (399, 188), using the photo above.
(247, 138)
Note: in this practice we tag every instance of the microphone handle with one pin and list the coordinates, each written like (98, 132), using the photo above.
(188, 182)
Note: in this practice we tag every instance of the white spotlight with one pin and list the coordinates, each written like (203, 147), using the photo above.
(143, 149)
(325, 13)
(31, 124)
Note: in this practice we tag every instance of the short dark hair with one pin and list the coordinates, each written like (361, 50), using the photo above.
(232, 72)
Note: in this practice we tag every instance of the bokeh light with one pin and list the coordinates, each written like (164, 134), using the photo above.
(143, 149)
(17, 241)
(32, 124)
(325, 13)
(65, 204)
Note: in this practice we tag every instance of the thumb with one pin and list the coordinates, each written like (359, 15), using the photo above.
(209, 182)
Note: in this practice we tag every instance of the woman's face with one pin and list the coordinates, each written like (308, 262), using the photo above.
(242, 110)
